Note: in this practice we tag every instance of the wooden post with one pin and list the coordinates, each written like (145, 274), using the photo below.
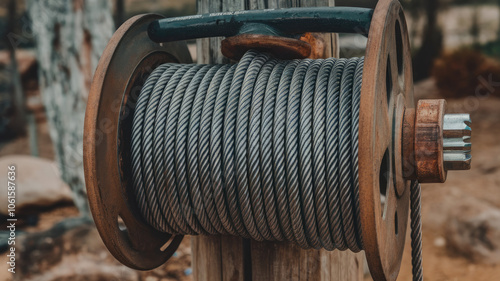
(19, 120)
(229, 258)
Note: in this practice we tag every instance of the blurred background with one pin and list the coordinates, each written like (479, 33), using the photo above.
(48, 53)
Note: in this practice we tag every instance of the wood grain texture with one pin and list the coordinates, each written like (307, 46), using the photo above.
(284, 261)
(237, 259)
(207, 258)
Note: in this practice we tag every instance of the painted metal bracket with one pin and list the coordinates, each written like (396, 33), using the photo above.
(290, 22)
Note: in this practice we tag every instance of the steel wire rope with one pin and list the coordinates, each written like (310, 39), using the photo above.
(264, 149)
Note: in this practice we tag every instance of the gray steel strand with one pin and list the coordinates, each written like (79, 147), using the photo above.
(306, 154)
(266, 151)
(182, 156)
(293, 150)
(230, 173)
(279, 151)
(255, 164)
(345, 155)
(193, 152)
(319, 154)
(250, 203)
(171, 190)
(136, 147)
(159, 168)
(180, 190)
(332, 150)
(356, 99)
(204, 146)
(150, 182)
(179, 155)
(216, 157)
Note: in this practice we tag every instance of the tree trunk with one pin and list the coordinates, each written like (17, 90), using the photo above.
(70, 36)
(498, 31)
(119, 12)
(475, 29)
(432, 42)
(18, 122)
(225, 258)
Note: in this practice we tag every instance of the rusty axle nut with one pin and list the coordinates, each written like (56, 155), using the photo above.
(442, 142)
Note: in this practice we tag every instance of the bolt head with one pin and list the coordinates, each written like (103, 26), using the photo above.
(457, 143)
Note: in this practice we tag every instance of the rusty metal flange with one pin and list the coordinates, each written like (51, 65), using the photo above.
(386, 94)
(125, 64)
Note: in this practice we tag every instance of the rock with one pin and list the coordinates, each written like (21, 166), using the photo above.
(72, 250)
(440, 242)
(37, 183)
(473, 230)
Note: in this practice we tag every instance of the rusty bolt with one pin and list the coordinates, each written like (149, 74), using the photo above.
(457, 141)
(442, 141)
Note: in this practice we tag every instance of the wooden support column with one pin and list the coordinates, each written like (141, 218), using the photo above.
(228, 258)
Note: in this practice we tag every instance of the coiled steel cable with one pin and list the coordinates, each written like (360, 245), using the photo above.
(265, 149)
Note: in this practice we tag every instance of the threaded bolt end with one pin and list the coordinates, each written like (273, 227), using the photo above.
(457, 143)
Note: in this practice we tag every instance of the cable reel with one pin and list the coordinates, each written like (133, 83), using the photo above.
(394, 145)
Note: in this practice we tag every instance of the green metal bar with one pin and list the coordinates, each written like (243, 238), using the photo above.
(283, 22)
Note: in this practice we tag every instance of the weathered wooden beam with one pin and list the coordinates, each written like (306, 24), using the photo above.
(236, 259)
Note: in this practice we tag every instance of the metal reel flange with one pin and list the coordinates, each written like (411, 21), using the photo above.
(124, 66)
(387, 92)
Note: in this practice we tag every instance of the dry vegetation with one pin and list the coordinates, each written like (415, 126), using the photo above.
(466, 73)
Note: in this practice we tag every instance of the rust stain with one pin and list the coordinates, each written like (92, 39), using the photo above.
(280, 47)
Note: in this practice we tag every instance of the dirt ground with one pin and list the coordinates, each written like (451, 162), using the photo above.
(440, 263)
